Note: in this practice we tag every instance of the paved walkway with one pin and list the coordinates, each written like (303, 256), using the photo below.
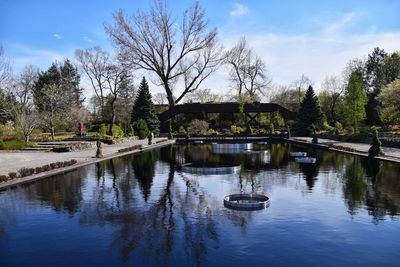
(359, 147)
(12, 161)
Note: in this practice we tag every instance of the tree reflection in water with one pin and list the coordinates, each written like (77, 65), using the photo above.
(154, 229)
(155, 211)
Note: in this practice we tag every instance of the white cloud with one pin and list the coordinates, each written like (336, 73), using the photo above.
(239, 10)
(57, 36)
(345, 20)
(87, 39)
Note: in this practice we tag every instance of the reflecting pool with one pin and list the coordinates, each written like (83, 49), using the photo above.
(143, 210)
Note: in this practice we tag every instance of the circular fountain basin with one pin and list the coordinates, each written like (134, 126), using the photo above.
(246, 202)
(230, 148)
(298, 154)
(306, 160)
(211, 168)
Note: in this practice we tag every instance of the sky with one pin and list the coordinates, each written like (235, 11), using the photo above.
(315, 38)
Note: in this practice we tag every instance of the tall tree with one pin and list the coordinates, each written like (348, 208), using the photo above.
(114, 76)
(391, 69)
(172, 50)
(69, 84)
(375, 81)
(248, 71)
(143, 107)
(390, 99)
(94, 62)
(65, 76)
(300, 86)
(50, 77)
(124, 102)
(332, 89)
(25, 84)
(54, 105)
(5, 69)
(310, 114)
(203, 96)
(286, 97)
(353, 107)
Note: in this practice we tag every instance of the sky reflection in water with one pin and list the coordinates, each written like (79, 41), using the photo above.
(141, 209)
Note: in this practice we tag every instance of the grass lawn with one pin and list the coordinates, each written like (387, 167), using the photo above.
(13, 144)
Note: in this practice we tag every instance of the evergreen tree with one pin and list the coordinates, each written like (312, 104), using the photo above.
(309, 113)
(69, 83)
(50, 77)
(353, 107)
(375, 149)
(66, 77)
(143, 108)
(375, 80)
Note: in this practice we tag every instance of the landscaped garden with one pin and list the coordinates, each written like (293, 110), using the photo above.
(170, 143)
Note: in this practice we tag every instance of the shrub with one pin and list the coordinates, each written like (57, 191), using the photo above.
(182, 130)
(59, 164)
(26, 171)
(39, 169)
(3, 178)
(375, 149)
(141, 129)
(53, 166)
(12, 175)
(236, 130)
(1, 144)
(249, 130)
(116, 130)
(212, 132)
(329, 129)
(198, 127)
(46, 168)
(338, 128)
(73, 161)
(131, 130)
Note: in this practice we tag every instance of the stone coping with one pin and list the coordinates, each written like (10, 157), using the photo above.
(35, 177)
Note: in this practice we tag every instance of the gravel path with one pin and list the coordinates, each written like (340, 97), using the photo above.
(11, 161)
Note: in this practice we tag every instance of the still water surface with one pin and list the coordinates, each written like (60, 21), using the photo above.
(141, 210)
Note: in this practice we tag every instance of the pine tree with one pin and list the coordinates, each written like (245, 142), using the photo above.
(143, 108)
(309, 113)
(353, 108)
(69, 83)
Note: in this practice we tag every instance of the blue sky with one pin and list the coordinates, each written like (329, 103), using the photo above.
(316, 38)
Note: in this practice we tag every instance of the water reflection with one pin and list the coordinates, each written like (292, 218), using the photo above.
(161, 216)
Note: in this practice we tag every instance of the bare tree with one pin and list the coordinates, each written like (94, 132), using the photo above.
(170, 49)
(160, 98)
(114, 76)
(203, 96)
(94, 62)
(332, 88)
(301, 86)
(26, 120)
(54, 104)
(24, 84)
(248, 71)
(5, 69)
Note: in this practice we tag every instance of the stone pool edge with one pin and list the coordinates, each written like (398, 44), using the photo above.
(28, 179)
(356, 153)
